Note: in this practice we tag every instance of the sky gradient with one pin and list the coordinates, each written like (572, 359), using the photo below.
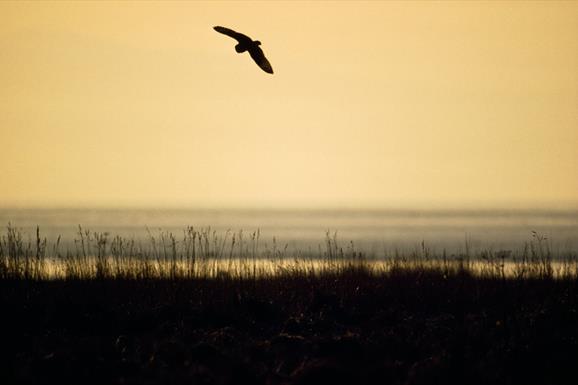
(471, 104)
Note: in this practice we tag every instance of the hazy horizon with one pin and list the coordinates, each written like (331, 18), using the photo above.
(567, 207)
(371, 230)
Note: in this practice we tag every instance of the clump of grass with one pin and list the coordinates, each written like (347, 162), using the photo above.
(25, 259)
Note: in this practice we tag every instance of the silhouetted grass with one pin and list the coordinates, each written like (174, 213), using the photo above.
(204, 253)
(208, 308)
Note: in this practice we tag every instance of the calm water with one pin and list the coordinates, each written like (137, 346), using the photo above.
(372, 231)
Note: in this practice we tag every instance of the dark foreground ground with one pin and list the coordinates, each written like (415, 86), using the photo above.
(404, 328)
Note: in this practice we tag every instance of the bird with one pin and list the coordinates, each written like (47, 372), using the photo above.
(248, 44)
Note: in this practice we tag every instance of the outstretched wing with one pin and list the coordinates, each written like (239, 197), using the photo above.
(259, 57)
(235, 35)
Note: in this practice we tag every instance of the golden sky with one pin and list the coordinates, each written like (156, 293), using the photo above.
(372, 104)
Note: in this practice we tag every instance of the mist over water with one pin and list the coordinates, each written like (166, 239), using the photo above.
(372, 231)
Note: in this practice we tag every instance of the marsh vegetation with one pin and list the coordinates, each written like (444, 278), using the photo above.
(206, 253)
(217, 308)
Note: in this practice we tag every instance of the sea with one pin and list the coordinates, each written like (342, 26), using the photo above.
(374, 232)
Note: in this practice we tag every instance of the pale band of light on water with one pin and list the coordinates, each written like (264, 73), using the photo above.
(262, 268)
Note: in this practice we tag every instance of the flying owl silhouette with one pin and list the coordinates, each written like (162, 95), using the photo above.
(248, 44)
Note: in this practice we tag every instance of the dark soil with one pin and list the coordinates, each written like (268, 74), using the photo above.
(352, 328)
